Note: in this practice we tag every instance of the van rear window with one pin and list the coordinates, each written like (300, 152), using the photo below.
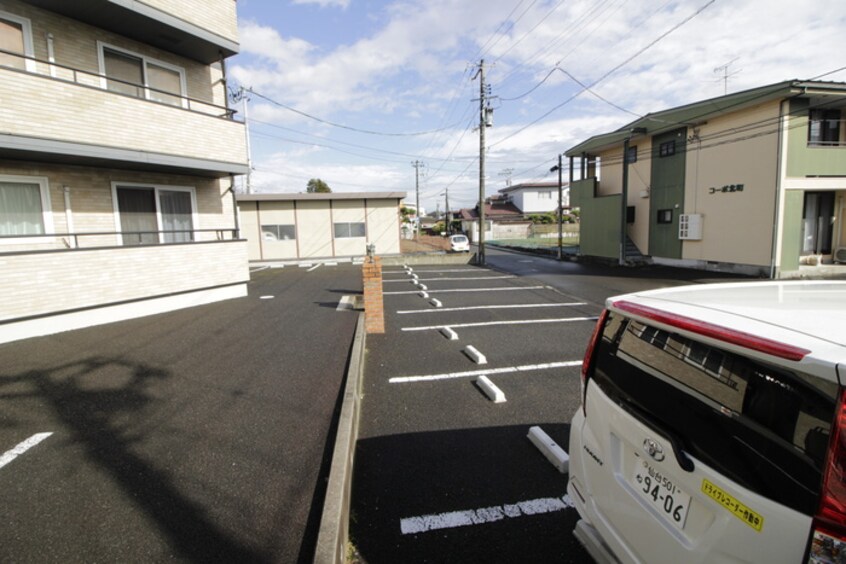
(760, 425)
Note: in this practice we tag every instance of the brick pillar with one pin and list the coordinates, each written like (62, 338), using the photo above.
(374, 315)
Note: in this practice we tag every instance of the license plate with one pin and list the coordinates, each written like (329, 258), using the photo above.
(660, 492)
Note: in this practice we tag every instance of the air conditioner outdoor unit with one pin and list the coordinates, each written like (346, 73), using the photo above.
(840, 254)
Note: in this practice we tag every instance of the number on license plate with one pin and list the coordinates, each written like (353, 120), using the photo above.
(660, 492)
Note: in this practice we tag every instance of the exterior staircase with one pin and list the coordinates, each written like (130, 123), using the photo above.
(633, 254)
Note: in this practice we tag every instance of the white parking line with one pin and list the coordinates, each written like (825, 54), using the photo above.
(484, 515)
(456, 278)
(315, 267)
(512, 306)
(21, 448)
(470, 290)
(438, 271)
(486, 371)
(491, 323)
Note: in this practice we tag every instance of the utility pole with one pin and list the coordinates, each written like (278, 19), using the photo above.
(485, 117)
(245, 99)
(417, 165)
(449, 220)
(560, 208)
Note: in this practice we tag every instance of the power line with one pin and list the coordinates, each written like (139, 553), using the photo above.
(610, 72)
(347, 127)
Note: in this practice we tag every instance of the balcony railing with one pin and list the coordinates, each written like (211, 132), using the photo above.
(89, 79)
(110, 239)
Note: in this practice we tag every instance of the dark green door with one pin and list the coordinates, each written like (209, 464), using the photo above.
(666, 197)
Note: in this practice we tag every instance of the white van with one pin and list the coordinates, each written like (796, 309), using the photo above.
(713, 426)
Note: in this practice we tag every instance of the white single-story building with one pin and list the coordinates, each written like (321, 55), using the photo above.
(319, 225)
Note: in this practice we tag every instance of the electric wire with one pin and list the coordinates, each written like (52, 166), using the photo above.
(610, 72)
(347, 127)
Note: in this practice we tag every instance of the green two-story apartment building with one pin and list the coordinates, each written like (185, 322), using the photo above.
(752, 182)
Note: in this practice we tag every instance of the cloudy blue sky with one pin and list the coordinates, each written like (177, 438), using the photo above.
(354, 91)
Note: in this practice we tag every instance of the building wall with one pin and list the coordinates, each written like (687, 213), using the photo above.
(737, 226)
(600, 219)
(55, 282)
(531, 202)
(216, 16)
(351, 211)
(75, 46)
(383, 226)
(315, 227)
(803, 160)
(99, 118)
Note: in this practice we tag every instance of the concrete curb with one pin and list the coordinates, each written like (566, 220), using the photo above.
(334, 523)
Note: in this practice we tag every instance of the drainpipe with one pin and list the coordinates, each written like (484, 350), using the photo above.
(624, 204)
(777, 226)
(237, 233)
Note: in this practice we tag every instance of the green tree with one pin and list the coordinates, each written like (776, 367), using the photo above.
(315, 185)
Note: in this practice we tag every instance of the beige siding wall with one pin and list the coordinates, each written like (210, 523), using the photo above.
(43, 283)
(75, 46)
(611, 183)
(216, 16)
(350, 211)
(383, 226)
(278, 213)
(92, 206)
(248, 222)
(314, 229)
(737, 226)
(314, 222)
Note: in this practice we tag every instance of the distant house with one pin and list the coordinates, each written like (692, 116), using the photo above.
(539, 197)
(502, 221)
(116, 161)
(320, 225)
(751, 182)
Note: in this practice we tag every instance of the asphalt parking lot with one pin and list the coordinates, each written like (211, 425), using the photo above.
(442, 473)
(200, 435)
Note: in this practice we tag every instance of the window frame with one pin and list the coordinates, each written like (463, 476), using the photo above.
(46, 210)
(26, 26)
(157, 188)
(661, 219)
(822, 117)
(145, 60)
(335, 225)
(631, 155)
(264, 228)
(667, 149)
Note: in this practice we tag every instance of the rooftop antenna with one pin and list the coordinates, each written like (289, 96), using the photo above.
(724, 69)
(507, 174)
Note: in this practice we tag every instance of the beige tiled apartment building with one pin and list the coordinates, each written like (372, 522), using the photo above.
(117, 158)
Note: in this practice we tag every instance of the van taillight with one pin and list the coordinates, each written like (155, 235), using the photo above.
(587, 363)
(829, 535)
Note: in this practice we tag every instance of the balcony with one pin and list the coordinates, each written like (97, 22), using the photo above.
(61, 114)
(203, 30)
(54, 291)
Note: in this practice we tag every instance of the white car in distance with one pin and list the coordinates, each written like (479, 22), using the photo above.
(459, 244)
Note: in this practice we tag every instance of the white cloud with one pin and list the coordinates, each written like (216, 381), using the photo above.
(324, 3)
